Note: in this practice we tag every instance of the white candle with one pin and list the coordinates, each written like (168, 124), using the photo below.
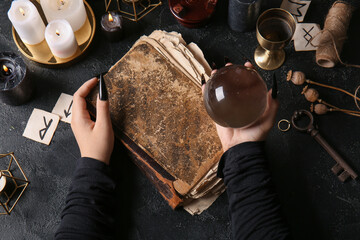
(71, 10)
(27, 21)
(61, 39)
(2, 183)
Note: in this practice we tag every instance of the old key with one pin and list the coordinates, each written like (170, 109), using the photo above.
(342, 170)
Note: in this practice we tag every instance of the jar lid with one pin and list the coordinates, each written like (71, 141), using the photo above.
(192, 13)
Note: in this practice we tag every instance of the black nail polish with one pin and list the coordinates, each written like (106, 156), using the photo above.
(202, 79)
(103, 94)
(213, 66)
(274, 87)
(226, 60)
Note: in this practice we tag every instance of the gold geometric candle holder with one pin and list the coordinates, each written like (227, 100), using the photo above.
(134, 10)
(13, 182)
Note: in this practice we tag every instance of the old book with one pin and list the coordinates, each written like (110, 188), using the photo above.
(157, 112)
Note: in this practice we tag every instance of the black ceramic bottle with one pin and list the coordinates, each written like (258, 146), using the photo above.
(243, 14)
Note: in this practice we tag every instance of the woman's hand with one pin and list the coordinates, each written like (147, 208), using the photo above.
(95, 139)
(257, 131)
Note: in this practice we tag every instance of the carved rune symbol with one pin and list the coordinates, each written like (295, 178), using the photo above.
(300, 5)
(308, 36)
(67, 113)
(43, 131)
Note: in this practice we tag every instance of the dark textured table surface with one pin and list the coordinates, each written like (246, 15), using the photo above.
(315, 203)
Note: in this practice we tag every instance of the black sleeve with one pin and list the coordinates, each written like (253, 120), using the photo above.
(253, 206)
(89, 209)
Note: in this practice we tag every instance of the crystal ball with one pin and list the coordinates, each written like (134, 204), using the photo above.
(235, 96)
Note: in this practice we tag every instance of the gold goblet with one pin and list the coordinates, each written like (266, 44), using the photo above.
(274, 29)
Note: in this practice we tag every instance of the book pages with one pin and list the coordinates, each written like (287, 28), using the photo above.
(156, 102)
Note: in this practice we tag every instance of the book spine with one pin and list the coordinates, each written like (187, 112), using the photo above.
(161, 179)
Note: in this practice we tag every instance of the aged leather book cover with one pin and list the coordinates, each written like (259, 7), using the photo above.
(158, 113)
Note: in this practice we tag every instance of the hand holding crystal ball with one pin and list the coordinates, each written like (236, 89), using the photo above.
(235, 96)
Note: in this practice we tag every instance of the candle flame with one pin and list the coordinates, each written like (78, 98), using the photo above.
(57, 32)
(5, 68)
(22, 11)
(110, 18)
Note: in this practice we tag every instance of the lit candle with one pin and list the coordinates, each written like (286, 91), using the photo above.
(111, 25)
(71, 10)
(15, 85)
(27, 21)
(61, 39)
(6, 70)
(2, 182)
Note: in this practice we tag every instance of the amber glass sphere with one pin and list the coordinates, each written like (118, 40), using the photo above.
(235, 96)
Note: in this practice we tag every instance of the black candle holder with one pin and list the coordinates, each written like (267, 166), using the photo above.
(16, 87)
(112, 26)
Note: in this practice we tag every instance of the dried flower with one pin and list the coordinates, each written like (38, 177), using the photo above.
(321, 109)
(297, 77)
(310, 94)
(289, 75)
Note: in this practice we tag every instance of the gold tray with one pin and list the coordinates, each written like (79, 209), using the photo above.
(41, 53)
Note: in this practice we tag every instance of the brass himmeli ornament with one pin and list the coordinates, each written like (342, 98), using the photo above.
(134, 10)
(13, 183)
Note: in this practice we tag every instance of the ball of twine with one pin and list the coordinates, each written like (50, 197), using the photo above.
(334, 34)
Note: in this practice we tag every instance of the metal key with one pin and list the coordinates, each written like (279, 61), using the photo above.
(342, 170)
